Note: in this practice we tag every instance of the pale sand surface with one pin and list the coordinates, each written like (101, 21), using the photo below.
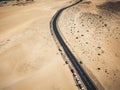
(92, 30)
(29, 58)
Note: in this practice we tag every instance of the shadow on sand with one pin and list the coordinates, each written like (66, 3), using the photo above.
(110, 6)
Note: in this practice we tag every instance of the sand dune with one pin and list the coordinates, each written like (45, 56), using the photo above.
(92, 30)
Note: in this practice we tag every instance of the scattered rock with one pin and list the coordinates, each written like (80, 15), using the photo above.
(99, 54)
(105, 25)
(98, 68)
(100, 16)
(76, 37)
(81, 62)
(99, 47)
(60, 49)
(87, 30)
(82, 35)
(86, 42)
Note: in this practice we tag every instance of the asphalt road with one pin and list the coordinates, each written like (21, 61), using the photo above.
(84, 76)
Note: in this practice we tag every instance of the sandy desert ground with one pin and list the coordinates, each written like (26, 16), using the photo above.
(92, 30)
(29, 57)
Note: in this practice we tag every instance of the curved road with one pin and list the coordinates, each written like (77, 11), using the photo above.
(84, 76)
